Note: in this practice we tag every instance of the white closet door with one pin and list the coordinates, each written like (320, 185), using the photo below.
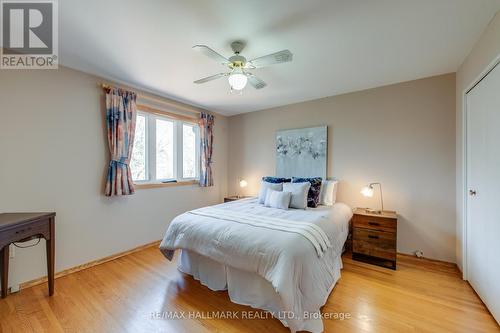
(483, 181)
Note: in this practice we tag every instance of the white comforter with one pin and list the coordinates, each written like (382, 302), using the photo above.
(288, 260)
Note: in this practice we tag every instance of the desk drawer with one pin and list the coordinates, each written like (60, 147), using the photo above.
(374, 243)
(24, 231)
(375, 223)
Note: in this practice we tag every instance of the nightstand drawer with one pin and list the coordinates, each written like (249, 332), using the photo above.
(374, 243)
(374, 223)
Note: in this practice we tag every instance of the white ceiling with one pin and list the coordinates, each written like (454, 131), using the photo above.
(339, 46)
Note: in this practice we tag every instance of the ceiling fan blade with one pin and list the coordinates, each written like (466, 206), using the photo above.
(211, 54)
(256, 82)
(248, 65)
(271, 59)
(210, 78)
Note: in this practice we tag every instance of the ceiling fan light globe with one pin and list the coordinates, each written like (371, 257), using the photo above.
(237, 81)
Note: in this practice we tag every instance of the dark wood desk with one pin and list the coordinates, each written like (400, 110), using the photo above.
(21, 227)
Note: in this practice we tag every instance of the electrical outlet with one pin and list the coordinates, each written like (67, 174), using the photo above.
(12, 251)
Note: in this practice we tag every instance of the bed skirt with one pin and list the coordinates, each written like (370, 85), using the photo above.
(244, 287)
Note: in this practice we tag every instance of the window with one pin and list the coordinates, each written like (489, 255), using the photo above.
(189, 151)
(165, 149)
(138, 160)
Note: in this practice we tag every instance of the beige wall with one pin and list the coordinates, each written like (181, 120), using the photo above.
(484, 53)
(402, 135)
(54, 157)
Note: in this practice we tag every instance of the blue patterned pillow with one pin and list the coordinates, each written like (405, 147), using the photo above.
(276, 180)
(314, 190)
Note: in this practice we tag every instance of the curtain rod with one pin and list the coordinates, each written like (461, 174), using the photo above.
(152, 99)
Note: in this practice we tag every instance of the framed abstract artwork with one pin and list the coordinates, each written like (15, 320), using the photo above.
(302, 152)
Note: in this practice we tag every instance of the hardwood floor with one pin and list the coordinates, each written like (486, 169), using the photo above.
(131, 293)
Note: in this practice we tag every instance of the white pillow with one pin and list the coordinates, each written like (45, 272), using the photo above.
(277, 199)
(299, 194)
(328, 192)
(264, 186)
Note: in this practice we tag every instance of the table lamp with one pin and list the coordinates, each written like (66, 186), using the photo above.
(367, 191)
(243, 184)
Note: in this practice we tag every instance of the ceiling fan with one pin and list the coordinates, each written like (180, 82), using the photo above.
(238, 76)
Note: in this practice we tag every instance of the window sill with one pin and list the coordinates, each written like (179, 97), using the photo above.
(141, 186)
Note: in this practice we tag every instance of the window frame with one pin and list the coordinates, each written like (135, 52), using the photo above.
(151, 116)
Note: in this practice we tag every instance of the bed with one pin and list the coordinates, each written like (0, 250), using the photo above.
(283, 261)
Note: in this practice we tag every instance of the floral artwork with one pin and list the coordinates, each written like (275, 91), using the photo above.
(301, 152)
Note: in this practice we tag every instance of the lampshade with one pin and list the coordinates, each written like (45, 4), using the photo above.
(237, 80)
(243, 183)
(367, 191)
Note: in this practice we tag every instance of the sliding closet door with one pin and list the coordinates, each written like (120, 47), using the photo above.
(483, 181)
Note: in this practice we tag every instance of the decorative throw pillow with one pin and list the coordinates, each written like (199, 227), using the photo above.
(299, 193)
(264, 186)
(313, 195)
(277, 199)
(276, 180)
(328, 193)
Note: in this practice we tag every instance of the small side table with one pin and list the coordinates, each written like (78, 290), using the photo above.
(374, 237)
(22, 227)
(235, 197)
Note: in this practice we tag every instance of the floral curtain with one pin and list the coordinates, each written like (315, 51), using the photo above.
(206, 123)
(120, 119)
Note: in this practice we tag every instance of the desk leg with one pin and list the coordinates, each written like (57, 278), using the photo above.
(4, 267)
(50, 244)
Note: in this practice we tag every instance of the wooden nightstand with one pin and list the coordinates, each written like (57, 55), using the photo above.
(374, 237)
(234, 198)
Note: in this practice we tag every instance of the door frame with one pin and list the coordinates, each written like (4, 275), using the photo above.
(464, 190)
